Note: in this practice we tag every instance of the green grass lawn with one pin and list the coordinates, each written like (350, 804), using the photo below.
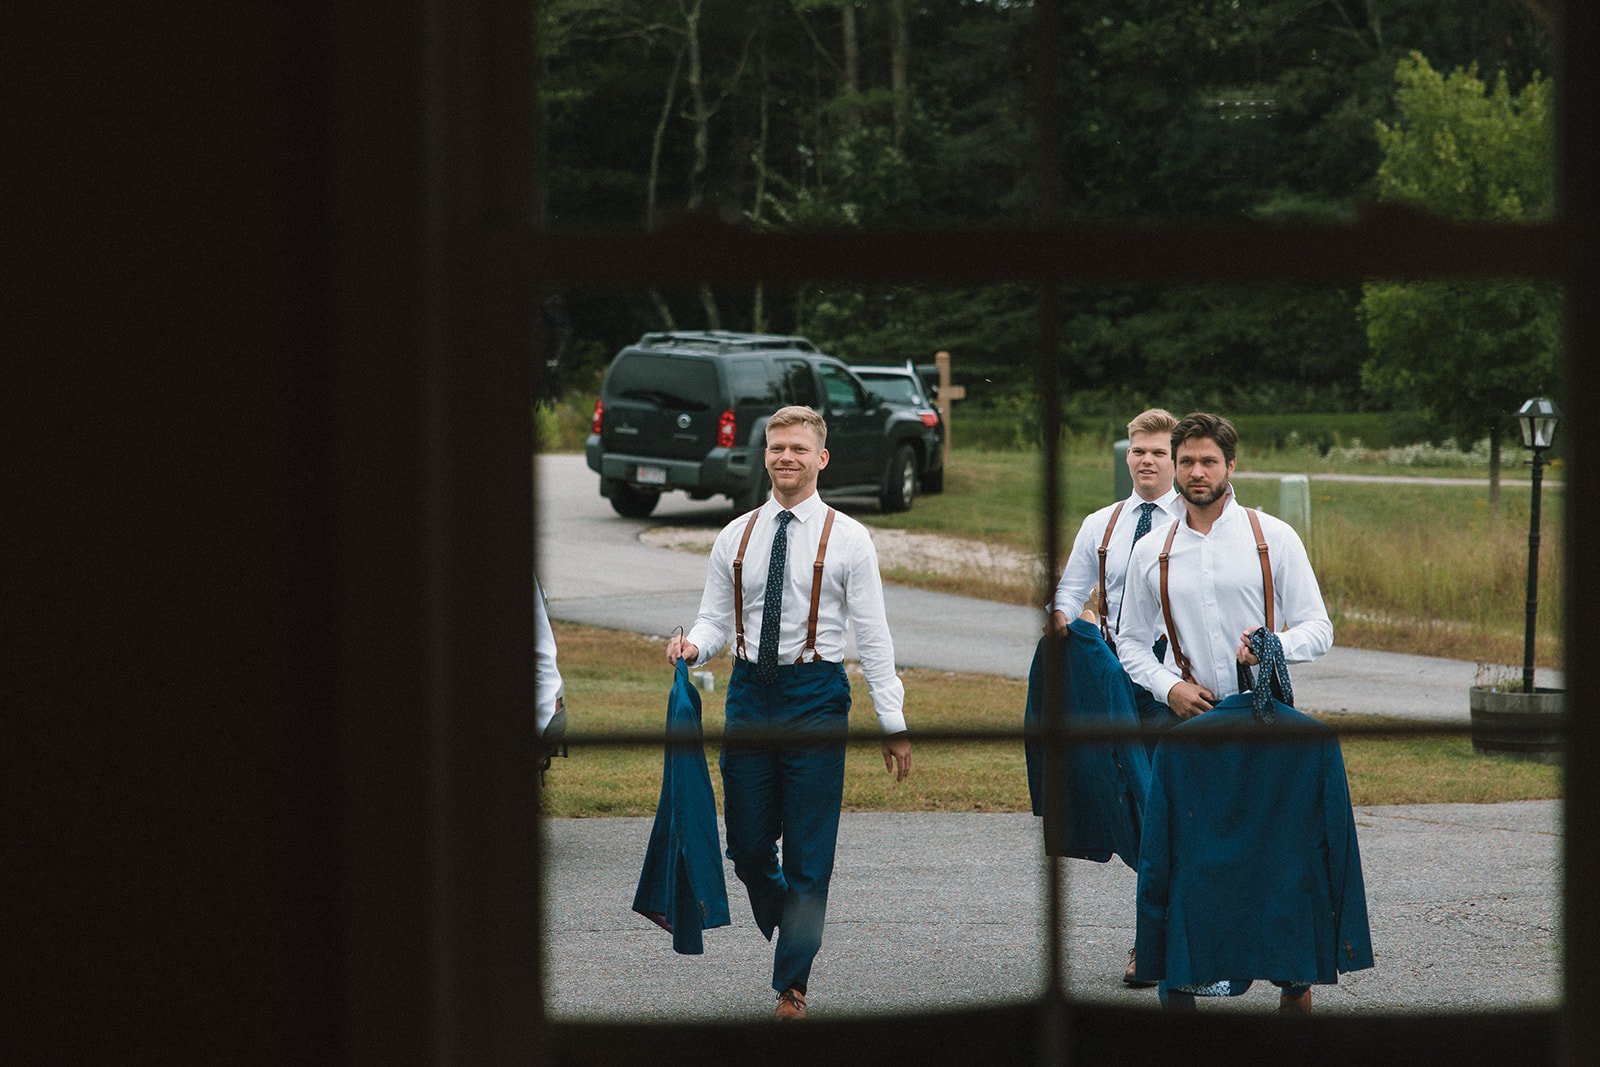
(618, 683)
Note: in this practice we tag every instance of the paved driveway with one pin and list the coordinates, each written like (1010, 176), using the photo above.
(939, 910)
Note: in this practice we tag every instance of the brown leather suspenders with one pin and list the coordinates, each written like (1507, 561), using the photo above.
(816, 586)
(1166, 605)
(738, 581)
(816, 592)
(1166, 601)
(1105, 628)
(1266, 565)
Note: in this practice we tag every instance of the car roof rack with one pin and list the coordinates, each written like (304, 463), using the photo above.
(725, 341)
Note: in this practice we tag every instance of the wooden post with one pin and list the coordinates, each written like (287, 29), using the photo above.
(948, 395)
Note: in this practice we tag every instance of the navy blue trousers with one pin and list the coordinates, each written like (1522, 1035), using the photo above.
(791, 793)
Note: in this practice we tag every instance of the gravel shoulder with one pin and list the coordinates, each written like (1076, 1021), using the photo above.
(897, 550)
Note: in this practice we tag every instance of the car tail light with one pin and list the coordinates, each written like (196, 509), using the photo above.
(726, 429)
(929, 418)
(599, 416)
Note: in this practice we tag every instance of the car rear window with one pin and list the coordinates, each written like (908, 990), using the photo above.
(750, 383)
(672, 382)
(798, 385)
(891, 387)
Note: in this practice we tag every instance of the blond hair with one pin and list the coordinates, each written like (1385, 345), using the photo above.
(1156, 420)
(800, 415)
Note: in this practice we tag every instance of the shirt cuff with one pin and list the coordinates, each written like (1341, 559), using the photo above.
(1166, 690)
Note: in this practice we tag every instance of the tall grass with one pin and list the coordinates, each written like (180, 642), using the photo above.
(1429, 569)
(1432, 567)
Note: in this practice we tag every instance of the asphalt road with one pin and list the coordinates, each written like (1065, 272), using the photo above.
(595, 570)
(932, 911)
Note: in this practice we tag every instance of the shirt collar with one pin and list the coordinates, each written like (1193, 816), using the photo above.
(802, 511)
(1230, 507)
(1169, 502)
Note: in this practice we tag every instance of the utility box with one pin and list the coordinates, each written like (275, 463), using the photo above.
(1294, 504)
(1121, 480)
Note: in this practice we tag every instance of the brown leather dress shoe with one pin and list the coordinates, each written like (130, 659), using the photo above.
(1300, 1005)
(1129, 980)
(791, 1005)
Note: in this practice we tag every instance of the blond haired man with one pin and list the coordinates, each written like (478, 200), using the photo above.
(1091, 588)
(1153, 503)
(783, 583)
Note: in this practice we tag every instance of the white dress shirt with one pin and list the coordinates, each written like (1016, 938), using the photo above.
(547, 687)
(852, 592)
(1082, 572)
(1214, 584)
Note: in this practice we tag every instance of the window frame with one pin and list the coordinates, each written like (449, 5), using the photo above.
(1382, 242)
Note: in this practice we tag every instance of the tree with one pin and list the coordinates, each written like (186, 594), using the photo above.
(885, 113)
(1467, 354)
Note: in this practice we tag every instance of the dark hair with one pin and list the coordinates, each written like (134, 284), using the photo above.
(1201, 424)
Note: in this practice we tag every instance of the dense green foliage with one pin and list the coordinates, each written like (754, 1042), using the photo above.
(1467, 353)
(806, 113)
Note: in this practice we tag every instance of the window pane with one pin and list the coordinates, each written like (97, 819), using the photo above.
(1410, 557)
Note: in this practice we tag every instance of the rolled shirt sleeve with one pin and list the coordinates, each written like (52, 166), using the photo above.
(1142, 622)
(1082, 572)
(713, 626)
(870, 621)
(548, 687)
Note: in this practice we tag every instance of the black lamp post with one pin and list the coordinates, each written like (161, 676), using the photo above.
(1538, 418)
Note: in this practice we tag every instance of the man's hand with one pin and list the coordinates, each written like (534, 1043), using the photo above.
(680, 648)
(1056, 623)
(553, 742)
(897, 756)
(1188, 699)
(1243, 652)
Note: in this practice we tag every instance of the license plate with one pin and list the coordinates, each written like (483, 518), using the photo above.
(652, 476)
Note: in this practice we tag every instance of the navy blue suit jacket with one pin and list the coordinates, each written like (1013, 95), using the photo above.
(682, 887)
(1249, 867)
(1105, 783)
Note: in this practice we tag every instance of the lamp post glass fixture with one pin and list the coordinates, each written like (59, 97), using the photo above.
(1538, 418)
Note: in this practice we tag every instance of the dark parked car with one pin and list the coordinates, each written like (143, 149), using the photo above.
(688, 411)
(913, 385)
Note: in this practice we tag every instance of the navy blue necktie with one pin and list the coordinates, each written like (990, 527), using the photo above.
(772, 606)
(1271, 679)
(1142, 527)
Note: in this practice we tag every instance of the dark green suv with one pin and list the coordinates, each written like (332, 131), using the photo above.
(688, 411)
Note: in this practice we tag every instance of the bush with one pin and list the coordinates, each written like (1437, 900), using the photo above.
(1010, 424)
(562, 425)
(1327, 430)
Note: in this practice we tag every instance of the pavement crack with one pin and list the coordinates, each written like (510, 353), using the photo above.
(1460, 825)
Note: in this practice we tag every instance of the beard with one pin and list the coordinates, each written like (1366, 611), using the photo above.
(1205, 498)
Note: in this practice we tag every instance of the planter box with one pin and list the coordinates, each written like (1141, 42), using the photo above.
(1514, 723)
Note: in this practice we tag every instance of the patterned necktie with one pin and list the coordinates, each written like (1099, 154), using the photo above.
(772, 606)
(1143, 525)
